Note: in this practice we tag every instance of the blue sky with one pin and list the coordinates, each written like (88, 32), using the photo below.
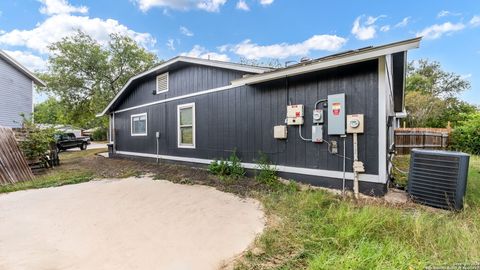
(257, 29)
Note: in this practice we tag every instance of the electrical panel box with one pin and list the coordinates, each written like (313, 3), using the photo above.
(294, 111)
(295, 121)
(318, 116)
(355, 123)
(317, 133)
(280, 132)
(295, 115)
(336, 114)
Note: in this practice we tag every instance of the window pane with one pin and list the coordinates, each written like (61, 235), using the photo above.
(139, 126)
(186, 135)
(186, 116)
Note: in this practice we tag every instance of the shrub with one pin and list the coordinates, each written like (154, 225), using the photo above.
(267, 173)
(99, 134)
(465, 137)
(37, 141)
(231, 168)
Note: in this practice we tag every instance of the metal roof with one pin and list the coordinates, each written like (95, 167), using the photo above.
(343, 58)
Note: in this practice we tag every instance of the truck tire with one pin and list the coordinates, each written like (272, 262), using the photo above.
(83, 146)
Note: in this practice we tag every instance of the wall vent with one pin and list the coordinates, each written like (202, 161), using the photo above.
(438, 178)
(162, 83)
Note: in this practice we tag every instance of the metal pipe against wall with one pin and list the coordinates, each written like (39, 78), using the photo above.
(355, 171)
(344, 160)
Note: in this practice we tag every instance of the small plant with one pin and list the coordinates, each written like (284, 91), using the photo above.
(231, 168)
(267, 172)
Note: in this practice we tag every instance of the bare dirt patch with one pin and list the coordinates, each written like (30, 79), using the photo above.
(134, 223)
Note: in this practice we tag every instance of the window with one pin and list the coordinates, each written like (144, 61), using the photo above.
(139, 124)
(162, 83)
(186, 125)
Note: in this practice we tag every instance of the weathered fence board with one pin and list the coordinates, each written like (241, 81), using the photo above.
(13, 166)
(427, 138)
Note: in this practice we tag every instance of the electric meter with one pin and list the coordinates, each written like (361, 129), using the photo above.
(318, 116)
(355, 123)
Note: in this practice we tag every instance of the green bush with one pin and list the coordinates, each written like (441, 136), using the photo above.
(37, 141)
(99, 134)
(267, 173)
(231, 168)
(466, 136)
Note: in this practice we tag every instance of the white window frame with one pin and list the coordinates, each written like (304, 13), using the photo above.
(146, 124)
(156, 83)
(179, 134)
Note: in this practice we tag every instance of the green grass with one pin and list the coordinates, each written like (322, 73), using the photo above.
(316, 230)
(62, 175)
(53, 179)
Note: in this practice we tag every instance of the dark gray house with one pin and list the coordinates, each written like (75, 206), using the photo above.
(195, 110)
(17, 85)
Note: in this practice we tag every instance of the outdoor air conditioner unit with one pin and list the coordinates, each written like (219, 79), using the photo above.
(438, 178)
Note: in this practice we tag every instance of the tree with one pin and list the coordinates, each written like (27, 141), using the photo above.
(51, 111)
(86, 75)
(428, 77)
(432, 96)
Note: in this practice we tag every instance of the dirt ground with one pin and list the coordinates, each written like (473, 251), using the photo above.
(122, 167)
(133, 223)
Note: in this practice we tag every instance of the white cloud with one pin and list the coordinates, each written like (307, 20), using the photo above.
(207, 5)
(366, 30)
(211, 5)
(52, 7)
(251, 50)
(58, 26)
(185, 31)
(403, 22)
(266, 2)
(466, 76)
(445, 13)
(475, 21)
(242, 5)
(171, 44)
(200, 52)
(437, 30)
(29, 60)
(385, 28)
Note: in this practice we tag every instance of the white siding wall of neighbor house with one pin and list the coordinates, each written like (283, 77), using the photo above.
(16, 95)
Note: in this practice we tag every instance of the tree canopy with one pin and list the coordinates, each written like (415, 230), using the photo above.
(85, 75)
(432, 96)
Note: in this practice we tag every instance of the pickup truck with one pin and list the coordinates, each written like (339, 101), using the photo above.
(69, 140)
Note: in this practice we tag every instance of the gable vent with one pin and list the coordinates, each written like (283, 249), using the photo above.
(438, 178)
(162, 83)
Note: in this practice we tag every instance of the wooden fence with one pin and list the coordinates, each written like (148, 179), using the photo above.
(426, 138)
(13, 166)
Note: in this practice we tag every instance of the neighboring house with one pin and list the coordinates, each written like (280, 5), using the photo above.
(194, 111)
(17, 86)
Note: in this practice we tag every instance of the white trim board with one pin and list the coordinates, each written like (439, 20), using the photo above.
(213, 90)
(191, 60)
(382, 119)
(288, 169)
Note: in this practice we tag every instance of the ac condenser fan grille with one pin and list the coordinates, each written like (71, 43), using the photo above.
(438, 178)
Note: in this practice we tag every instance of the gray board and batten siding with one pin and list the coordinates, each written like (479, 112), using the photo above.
(243, 117)
(237, 107)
